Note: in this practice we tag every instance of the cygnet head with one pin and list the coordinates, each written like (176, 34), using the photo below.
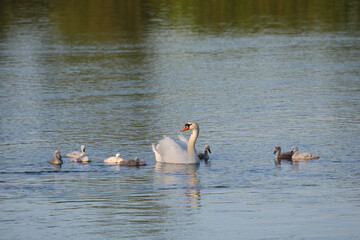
(294, 149)
(57, 157)
(207, 148)
(136, 158)
(82, 148)
(191, 126)
(277, 149)
(57, 154)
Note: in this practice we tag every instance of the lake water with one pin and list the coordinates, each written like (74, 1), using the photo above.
(118, 75)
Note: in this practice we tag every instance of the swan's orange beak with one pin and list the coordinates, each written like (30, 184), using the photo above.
(185, 128)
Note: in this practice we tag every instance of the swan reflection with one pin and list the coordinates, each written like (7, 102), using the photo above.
(179, 176)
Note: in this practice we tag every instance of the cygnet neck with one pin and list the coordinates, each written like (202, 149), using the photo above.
(278, 153)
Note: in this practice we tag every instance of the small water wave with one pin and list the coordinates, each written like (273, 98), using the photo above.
(48, 172)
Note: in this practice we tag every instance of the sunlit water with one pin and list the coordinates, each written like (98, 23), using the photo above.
(263, 79)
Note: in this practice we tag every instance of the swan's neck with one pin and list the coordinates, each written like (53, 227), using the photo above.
(191, 151)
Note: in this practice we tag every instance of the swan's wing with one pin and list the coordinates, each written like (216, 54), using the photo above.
(183, 141)
(157, 154)
(170, 151)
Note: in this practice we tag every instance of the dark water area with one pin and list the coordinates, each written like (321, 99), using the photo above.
(118, 75)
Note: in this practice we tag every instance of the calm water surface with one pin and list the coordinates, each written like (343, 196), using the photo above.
(118, 75)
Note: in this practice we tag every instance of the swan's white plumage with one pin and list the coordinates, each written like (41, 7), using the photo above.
(180, 151)
(183, 141)
(170, 151)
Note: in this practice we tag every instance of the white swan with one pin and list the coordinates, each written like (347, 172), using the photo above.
(114, 160)
(77, 154)
(302, 156)
(57, 158)
(181, 151)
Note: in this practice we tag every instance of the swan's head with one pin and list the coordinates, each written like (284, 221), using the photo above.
(83, 148)
(191, 126)
(294, 149)
(277, 149)
(207, 148)
(117, 155)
